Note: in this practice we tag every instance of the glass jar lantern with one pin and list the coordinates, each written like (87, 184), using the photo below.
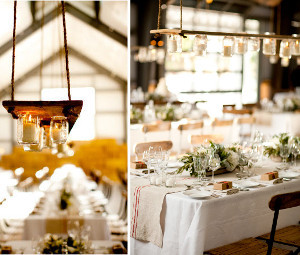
(241, 45)
(46, 138)
(174, 44)
(285, 49)
(36, 147)
(200, 45)
(28, 129)
(254, 44)
(59, 129)
(228, 46)
(269, 45)
(295, 46)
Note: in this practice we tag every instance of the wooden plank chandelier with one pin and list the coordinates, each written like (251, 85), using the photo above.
(233, 43)
(43, 124)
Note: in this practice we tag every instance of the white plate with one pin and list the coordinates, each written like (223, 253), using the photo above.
(288, 174)
(197, 193)
(245, 184)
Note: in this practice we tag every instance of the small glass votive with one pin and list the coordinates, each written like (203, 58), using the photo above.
(174, 44)
(170, 180)
(241, 45)
(269, 45)
(295, 46)
(228, 46)
(200, 45)
(254, 44)
(28, 129)
(285, 49)
(59, 129)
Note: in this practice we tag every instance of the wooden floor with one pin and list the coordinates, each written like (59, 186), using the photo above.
(289, 235)
(249, 246)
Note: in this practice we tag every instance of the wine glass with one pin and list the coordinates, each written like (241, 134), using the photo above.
(295, 150)
(214, 164)
(284, 154)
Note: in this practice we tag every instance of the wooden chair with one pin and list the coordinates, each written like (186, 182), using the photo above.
(222, 123)
(189, 126)
(289, 235)
(141, 147)
(255, 246)
(205, 139)
(158, 127)
(243, 122)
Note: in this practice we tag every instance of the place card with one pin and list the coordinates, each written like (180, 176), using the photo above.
(138, 165)
(269, 176)
(223, 185)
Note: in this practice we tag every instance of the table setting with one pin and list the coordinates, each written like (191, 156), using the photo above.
(217, 189)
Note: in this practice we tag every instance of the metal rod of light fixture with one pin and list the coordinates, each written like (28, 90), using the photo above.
(192, 32)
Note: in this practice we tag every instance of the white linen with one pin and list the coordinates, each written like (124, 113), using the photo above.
(191, 226)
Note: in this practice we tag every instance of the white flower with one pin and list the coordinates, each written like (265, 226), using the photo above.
(232, 160)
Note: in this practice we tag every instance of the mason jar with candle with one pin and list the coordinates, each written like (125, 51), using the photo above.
(228, 46)
(46, 138)
(295, 46)
(254, 44)
(174, 44)
(59, 129)
(285, 49)
(28, 129)
(36, 147)
(200, 45)
(269, 45)
(241, 45)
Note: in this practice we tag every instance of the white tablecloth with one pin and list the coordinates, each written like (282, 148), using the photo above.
(192, 226)
(26, 246)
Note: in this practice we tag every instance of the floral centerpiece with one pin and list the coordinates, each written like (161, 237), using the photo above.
(53, 244)
(290, 104)
(65, 199)
(231, 157)
(272, 148)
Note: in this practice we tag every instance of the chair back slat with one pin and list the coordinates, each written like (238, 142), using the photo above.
(141, 147)
(164, 126)
(204, 139)
(249, 120)
(191, 126)
(222, 123)
(284, 201)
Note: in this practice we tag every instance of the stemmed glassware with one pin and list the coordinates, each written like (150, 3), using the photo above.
(295, 150)
(284, 154)
(214, 164)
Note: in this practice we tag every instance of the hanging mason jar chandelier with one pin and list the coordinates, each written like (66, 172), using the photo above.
(43, 124)
(233, 43)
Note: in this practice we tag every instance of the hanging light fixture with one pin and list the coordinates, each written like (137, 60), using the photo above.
(232, 42)
(35, 117)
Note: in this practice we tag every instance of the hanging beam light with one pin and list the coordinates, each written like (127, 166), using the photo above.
(41, 123)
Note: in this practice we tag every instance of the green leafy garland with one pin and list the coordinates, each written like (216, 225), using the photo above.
(56, 245)
(230, 158)
(273, 150)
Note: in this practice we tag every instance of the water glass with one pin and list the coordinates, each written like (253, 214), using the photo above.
(284, 154)
(170, 180)
(295, 150)
(214, 164)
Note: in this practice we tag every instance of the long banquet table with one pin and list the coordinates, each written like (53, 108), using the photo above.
(191, 226)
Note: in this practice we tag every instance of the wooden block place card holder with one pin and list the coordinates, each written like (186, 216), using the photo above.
(269, 176)
(223, 185)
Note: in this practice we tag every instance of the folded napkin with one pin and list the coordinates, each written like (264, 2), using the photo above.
(146, 204)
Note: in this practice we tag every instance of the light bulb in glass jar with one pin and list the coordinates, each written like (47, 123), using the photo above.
(254, 44)
(285, 49)
(174, 43)
(228, 46)
(295, 46)
(241, 45)
(269, 45)
(200, 45)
